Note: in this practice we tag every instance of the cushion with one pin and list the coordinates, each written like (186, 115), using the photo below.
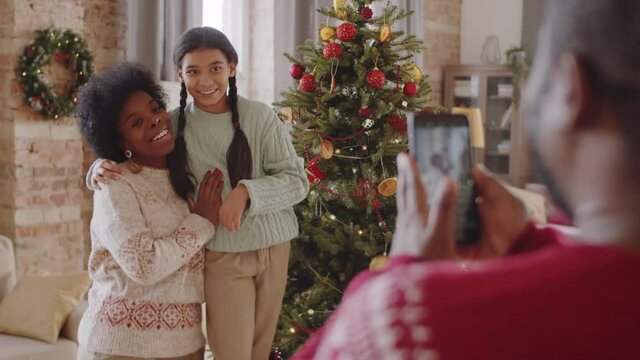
(20, 348)
(71, 326)
(7, 267)
(39, 305)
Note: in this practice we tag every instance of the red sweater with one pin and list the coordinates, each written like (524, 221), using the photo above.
(551, 299)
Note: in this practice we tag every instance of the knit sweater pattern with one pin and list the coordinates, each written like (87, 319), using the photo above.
(146, 263)
(278, 179)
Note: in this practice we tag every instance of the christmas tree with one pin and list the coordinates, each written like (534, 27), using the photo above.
(356, 84)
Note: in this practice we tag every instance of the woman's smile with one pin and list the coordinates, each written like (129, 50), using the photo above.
(162, 135)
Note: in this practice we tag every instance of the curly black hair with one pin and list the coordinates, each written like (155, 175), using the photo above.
(101, 101)
(99, 105)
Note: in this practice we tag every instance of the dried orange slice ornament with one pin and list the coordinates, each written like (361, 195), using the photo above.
(326, 149)
(388, 187)
(378, 263)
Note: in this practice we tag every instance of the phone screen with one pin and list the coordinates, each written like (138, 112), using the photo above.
(441, 146)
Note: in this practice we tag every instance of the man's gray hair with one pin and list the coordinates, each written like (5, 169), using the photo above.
(605, 36)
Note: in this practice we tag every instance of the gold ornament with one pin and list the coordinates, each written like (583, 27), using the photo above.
(339, 6)
(415, 72)
(388, 187)
(327, 33)
(378, 263)
(326, 149)
(385, 33)
(287, 115)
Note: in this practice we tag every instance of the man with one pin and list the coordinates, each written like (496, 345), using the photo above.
(535, 294)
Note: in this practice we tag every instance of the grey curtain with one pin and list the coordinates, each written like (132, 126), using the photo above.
(303, 22)
(153, 30)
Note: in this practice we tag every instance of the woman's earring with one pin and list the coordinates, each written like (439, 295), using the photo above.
(128, 154)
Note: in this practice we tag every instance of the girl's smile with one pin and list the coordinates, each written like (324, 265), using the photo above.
(206, 92)
(206, 74)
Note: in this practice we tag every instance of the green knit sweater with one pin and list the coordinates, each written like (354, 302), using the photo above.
(279, 180)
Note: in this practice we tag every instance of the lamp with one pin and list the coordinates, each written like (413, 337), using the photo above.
(476, 129)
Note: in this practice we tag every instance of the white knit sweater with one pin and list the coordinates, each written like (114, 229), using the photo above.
(278, 180)
(146, 262)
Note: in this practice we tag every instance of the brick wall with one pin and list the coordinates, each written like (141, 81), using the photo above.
(442, 39)
(105, 31)
(42, 204)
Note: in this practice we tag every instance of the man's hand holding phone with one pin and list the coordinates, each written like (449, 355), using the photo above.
(420, 230)
(503, 217)
(429, 232)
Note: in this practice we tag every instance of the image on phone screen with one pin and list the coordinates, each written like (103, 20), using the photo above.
(442, 149)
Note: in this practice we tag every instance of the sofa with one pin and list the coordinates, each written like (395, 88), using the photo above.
(22, 348)
(66, 346)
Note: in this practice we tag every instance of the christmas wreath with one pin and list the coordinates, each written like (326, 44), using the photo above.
(65, 47)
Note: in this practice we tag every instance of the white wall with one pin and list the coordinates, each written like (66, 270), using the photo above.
(481, 18)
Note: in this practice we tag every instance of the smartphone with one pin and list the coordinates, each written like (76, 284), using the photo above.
(441, 145)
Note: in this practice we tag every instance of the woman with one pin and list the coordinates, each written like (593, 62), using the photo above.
(147, 256)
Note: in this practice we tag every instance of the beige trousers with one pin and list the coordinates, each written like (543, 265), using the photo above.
(244, 294)
(85, 355)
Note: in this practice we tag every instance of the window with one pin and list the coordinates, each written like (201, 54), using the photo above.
(212, 13)
(232, 18)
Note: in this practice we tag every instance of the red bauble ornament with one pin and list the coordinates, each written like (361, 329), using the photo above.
(399, 123)
(410, 89)
(346, 32)
(296, 71)
(365, 112)
(307, 83)
(375, 78)
(332, 51)
(366, 13)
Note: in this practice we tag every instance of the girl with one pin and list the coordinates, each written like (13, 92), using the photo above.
(146, 258)
(246, 260)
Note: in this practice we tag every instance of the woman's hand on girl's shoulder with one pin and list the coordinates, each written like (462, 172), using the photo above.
(209, 197)
(104, 171)
(233, 207)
